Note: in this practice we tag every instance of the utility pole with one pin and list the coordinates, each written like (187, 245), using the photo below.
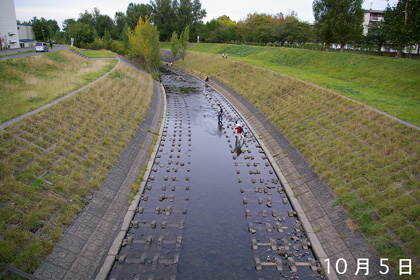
(42, 29)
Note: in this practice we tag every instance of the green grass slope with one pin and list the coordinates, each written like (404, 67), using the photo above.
(50, 162)
(389, 84)
(369, 160)
(94, 53)
(28, 83)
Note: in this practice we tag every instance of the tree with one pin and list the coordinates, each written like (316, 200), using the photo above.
(155, 54)
(163, 16)
(67, 23)
(210, 29)
(188, 13)
(171, 15)
(402, 24)
(138, 40)
(86, 18)
(376, 36)
(174, 44)
(226, 20)
(125, 38)
(295, 31)
(144, 43)
(135, 11)
(338, 21)
(120, 20)
(102, 23)
(261, 28)
(349, 24)
(107, 40)
(324, 20)
(228, 30)
(183, 46)
(44, 29)
(82, 34)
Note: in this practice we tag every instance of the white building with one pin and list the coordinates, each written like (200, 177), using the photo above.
(26, 35)
(375, 17)
(372, 17)
(8, 28)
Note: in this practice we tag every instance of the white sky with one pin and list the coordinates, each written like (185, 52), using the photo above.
(60, 10)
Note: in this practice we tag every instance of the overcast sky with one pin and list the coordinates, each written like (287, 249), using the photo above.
(235, 9)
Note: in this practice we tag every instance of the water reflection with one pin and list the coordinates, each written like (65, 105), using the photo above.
(195, 223)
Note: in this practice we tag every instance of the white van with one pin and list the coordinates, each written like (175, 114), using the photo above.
(41, 47)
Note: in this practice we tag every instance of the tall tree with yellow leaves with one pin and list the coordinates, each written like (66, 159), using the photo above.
(144, 43)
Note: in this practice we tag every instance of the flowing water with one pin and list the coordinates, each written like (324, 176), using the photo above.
(212, 208)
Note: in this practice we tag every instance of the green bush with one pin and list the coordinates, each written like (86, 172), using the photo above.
(97, 44)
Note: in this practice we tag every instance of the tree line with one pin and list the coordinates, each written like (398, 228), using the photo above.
(258, 28)
(336, 22)
(341, 21)
(167, 15)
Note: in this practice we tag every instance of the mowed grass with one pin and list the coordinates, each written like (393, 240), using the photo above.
(369, 160)
(387, 84)
(94, 53)
(53, 160)
(28, 83)
(165, 45)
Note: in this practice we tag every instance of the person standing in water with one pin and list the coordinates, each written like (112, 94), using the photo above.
(219, 113)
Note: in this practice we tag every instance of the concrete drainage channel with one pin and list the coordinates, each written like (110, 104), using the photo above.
(211, 209)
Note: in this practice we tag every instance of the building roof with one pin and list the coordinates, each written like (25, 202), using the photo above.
(27, 41)
(374, 11)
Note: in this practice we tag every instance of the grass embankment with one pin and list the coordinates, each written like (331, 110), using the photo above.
(50, 162)
(94, 53)
(165, 45)
(371, 161)
(388, 84)
(28, 83)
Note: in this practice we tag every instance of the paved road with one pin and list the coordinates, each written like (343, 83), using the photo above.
(17, 53)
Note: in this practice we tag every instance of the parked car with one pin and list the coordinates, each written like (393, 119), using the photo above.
(41, 47)
(54, 42)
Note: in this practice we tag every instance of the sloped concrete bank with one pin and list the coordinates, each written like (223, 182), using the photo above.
(82, 251)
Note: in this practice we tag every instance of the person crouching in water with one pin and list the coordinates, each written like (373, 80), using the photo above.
(239, 130)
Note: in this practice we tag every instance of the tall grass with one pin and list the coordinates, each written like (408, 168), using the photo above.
(28, 83)
(52, 160)
(371, 161)
(388, 84)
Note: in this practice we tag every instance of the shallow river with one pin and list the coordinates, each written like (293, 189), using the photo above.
(212, 208)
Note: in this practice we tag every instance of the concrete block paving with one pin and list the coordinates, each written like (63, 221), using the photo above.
(211, 208)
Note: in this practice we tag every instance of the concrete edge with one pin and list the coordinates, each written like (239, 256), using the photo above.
(116, 244)
(310, 233)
